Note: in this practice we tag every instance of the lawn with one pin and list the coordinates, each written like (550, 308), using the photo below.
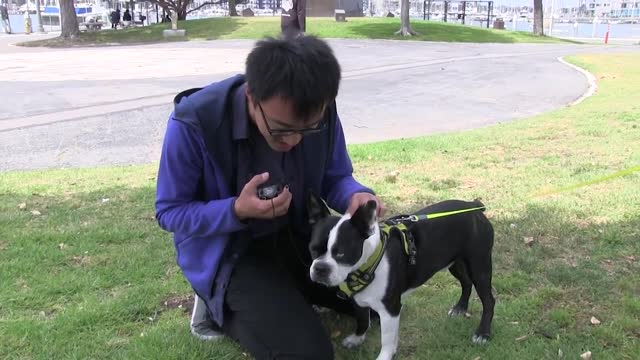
(87, 273)
(259, 27)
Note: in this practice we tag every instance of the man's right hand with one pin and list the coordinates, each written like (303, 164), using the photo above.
(249, 206)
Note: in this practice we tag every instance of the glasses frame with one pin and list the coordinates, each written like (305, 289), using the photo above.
(321, 126)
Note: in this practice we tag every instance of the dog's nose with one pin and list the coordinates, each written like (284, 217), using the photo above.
(321, 269)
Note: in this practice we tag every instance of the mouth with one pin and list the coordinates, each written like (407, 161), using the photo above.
(283, 146)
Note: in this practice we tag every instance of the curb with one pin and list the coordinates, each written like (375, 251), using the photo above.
(591, 80)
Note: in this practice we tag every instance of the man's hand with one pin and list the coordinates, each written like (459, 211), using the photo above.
(249, 206)
(361, 198)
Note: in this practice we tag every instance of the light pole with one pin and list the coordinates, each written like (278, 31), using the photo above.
(40, 27)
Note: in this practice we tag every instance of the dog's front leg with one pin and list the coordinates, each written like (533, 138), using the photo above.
(363, 319)
(389, 328)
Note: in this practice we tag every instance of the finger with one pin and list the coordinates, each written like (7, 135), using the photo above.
(382, 210)
(284, 207)
(256, 181)
(283, 197)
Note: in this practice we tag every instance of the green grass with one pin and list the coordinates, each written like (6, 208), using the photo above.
(89, 278)
(259, 27)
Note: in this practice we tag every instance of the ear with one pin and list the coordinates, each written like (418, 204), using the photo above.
(364, 219)
(316, 208)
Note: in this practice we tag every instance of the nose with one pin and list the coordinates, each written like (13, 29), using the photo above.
(321, 269)
(292, 140)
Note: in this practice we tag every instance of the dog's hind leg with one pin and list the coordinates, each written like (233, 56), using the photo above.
(459, 270)
(481, 270)
(363, 320)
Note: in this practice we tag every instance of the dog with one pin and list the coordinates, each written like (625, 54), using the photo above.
(341, 246)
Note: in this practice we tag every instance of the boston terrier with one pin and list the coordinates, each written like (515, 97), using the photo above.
(383, 262)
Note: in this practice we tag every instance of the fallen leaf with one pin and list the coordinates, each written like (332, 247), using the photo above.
(513, 226)
(476, 358)
(586, 356)
(22, 206)
(105, 200)
(528, 240)
(35, 213)
(631, 258)
(595, 321)
(522, 337)
(514, 323)
(335, 334)
(392, 177)
(62, 246)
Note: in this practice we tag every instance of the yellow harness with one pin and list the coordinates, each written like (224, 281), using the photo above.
(361, 278)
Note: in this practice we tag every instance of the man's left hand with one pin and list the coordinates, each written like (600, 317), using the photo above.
(361, 198)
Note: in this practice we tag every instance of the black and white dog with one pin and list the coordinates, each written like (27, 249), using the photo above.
(341, 246)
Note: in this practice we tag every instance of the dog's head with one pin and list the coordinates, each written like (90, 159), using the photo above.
(340, 245)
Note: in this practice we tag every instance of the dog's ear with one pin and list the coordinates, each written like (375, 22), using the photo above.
(316, 208)
(365, 218)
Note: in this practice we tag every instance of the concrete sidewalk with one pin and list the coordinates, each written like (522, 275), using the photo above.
(97, 106)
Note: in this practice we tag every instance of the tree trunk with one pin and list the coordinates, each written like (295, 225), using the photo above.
(174, 15)
(538, 24)
(405, 26)
(232, 8)
(182, 14)
(68, 21)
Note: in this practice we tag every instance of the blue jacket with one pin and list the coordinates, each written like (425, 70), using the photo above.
(196, 185)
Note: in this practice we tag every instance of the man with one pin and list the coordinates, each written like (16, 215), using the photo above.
(4, 18)
(293, 18)
(246, 257)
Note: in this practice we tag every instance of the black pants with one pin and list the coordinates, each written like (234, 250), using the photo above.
(268, 303)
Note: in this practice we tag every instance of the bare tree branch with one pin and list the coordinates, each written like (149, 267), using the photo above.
(206, 4)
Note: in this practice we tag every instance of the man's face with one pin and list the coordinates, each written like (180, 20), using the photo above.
(277, 122)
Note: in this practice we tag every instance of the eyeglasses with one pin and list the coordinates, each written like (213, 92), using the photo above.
(320, 126)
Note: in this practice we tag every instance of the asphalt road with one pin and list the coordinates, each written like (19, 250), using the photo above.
(100, 106)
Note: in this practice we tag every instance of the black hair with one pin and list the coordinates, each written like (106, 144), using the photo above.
(302, 70)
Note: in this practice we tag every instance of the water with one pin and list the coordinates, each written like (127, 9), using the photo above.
(583, 30)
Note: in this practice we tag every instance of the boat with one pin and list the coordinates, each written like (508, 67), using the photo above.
(86, 11)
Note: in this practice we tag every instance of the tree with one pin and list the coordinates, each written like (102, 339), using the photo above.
(538, 24)
(181, 7)
(405, 26)
(68, 20)
(232, 8)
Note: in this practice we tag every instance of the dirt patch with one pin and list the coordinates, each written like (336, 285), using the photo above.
(184, 302)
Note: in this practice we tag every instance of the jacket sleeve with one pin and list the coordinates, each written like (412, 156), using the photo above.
(338, 184)
(178, 206)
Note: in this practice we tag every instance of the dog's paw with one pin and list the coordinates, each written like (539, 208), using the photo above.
(320, 309)
(458, 311)
(385, 356)
(352, 340)
(480, 339)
